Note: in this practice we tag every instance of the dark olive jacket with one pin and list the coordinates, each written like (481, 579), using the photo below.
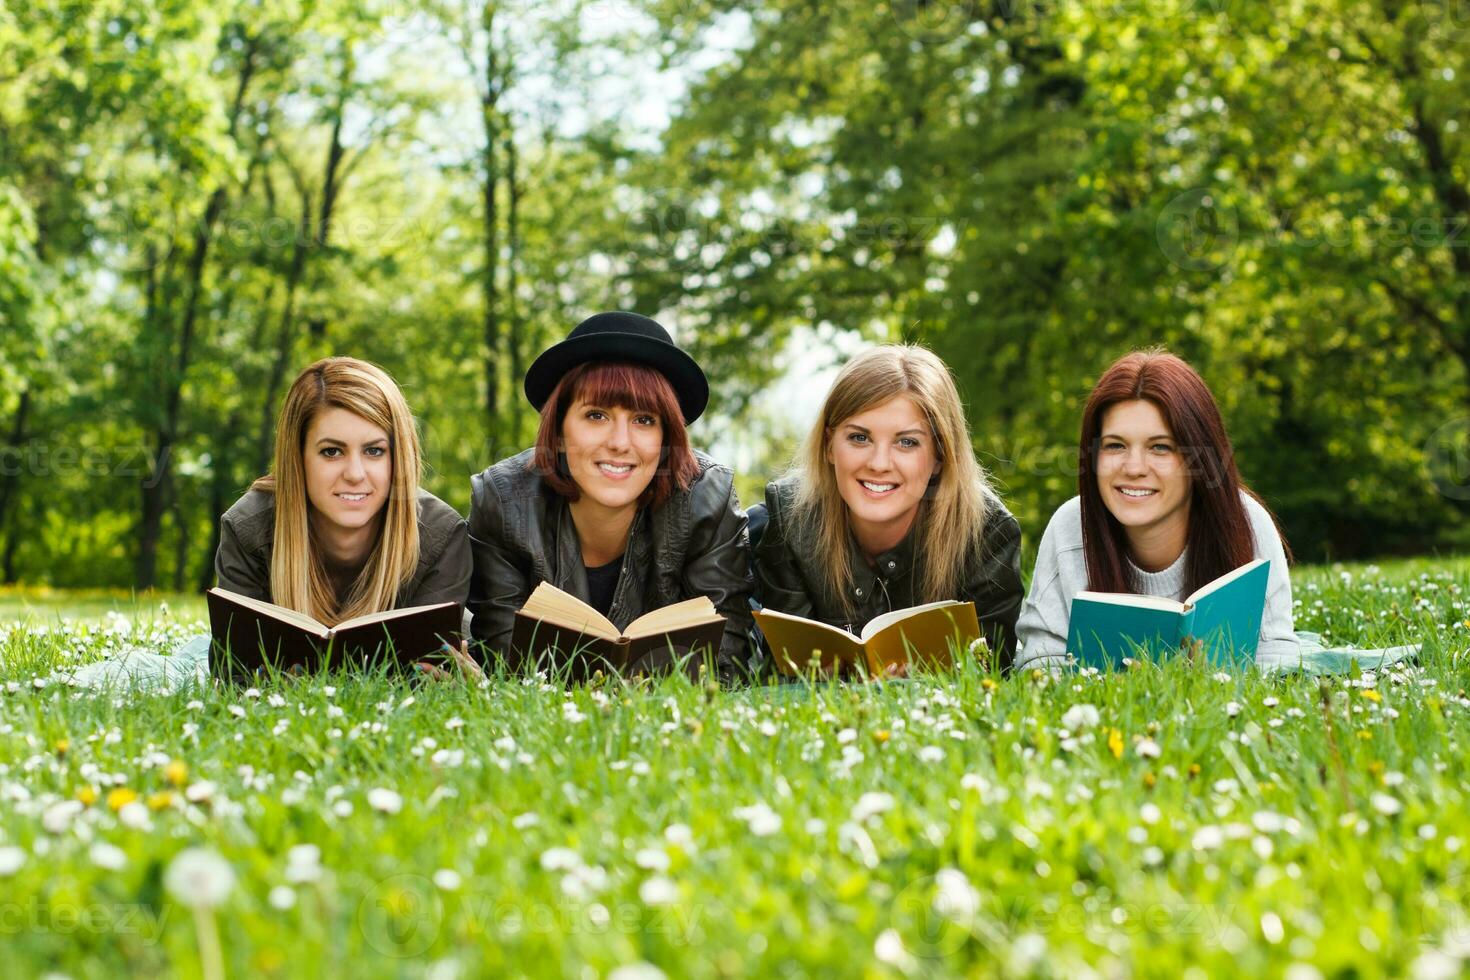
(695, 544)
(247, 538)
(790, 577)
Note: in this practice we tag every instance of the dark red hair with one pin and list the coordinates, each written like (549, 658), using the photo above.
(1219, 538)
(617, 385)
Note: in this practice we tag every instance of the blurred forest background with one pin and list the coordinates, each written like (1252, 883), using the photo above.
(197, 199)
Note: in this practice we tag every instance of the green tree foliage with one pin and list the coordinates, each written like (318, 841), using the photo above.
(194, 203)
(197, 200)
(1277, 194)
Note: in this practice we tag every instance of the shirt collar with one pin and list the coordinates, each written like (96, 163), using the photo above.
(888, 565)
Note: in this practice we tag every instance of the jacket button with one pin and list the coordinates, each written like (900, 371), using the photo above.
(858, 592)
(891, 564)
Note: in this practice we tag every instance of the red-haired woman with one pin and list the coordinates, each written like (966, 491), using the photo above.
(611, 504)
(1161, 509)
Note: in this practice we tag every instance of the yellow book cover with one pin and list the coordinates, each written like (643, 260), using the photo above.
(928, 635)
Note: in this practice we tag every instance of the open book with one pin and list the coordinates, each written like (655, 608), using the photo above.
(1223, 619)
(928, 634)
(557, 626)
(249, 634)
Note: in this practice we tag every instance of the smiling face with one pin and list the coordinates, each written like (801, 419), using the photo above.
(883, 459)
(612, 453)
(1141, 474)
(349, 470)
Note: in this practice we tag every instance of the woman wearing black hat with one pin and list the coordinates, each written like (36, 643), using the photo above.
(611, 504)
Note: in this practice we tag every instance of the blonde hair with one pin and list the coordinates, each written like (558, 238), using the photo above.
(299, 577)
(952, 515)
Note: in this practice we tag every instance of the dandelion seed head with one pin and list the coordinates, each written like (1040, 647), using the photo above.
(199, 877)
(658, 890)
(384, 800)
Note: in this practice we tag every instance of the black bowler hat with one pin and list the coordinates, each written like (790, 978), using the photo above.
(620, 336)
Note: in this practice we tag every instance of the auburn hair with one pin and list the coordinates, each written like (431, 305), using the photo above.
(1219, 539)
(299, 578)
(635, 387)
(951, 520)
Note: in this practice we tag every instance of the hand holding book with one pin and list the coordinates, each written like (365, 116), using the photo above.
(469, 670)
(1220, 622)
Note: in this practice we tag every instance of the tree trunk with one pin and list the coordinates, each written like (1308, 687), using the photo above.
(7, 565)
(181, 544)
(489, 118)
(157, 486)
(222, 484)
(313, 233)
(516, 340)
(284, 337)
(10, 476)
(153, 486)
(10, 481)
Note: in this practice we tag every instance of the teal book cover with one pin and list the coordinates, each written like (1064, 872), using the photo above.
(1224, 617)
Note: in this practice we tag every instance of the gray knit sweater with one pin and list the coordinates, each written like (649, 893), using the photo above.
(1061, 572)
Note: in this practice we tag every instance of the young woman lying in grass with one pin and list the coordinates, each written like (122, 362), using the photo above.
(339, 528)
(612, 505)
(889, 507)
(1160, 509)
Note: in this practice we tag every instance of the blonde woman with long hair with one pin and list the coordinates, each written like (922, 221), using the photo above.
(887, 506)
(340, 527)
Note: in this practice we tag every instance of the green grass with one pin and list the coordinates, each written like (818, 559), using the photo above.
(43, 604)
(930, 827)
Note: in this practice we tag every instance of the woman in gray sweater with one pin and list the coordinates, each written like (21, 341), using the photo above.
(1161, 510)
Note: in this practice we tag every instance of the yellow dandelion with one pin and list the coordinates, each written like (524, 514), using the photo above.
(881, 736)
(1115, 743)
(1365, 736)
(160, 801)
(87, 794)
(988, 684)
(176, 773)
(1149, 780)
(121, 797)
(269, 961)
(1372, 695)
(1194, 769)
(61, 745)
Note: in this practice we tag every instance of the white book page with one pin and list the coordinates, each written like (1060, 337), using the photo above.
(383, 617)
(690, 612)
(279, 613)
(877, 623)
(1137, 601)
(1222, 581)
(550, 604)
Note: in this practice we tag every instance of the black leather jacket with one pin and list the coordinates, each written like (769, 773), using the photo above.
(789, 576)
(247, 539)
(521, 533)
